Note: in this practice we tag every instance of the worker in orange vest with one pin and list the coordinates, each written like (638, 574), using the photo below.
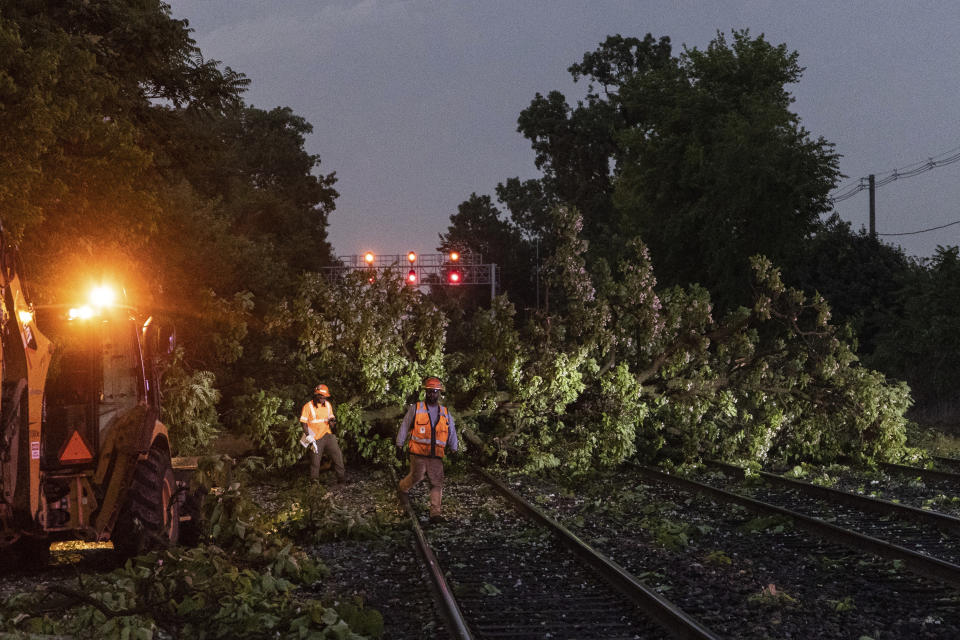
(431, 431)
(316, 418)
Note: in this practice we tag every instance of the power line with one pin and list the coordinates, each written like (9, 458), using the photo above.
(913, 233)
(948, 157)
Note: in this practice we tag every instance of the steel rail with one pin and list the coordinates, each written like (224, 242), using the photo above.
(864, 503)
(449, 609)
(929, 474)
(919, 563)
(661, 610)
(946, 460)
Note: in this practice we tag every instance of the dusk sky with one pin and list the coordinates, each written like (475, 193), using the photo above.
(414, 103)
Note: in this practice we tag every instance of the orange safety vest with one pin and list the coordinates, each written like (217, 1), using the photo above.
(428, 439)
(316, 418)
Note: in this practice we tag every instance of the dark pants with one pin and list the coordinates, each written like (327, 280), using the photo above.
(433, 469)
(328, 443)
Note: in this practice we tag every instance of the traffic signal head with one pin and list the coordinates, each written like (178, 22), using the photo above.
(412, 276)
(368, 257)
(412, 257)
(454, 276)
(454, 256)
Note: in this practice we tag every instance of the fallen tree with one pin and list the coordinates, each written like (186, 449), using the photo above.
(617, 370)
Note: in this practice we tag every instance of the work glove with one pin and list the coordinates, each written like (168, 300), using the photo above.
(314, 446)
(310, 438)
(400, 455)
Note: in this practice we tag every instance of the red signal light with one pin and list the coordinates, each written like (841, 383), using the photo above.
(412, 276)
(454, 277)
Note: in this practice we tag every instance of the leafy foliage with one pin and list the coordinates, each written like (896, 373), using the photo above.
(689, 163)
(858, 275)
(371, 343)
(130, 158)
(479, 227)
(717, 168)
(919, 342)
(190, 407)
(316, 517)
(242, 583)
(375, 341)
(275, 433)
(774, 380)
(697, 153)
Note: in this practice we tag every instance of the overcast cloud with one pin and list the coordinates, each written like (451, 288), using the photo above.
(414, 103)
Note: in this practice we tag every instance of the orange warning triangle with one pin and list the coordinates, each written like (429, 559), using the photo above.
(76, 450)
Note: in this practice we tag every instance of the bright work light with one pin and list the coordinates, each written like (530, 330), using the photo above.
(81, 313)
(102, 296)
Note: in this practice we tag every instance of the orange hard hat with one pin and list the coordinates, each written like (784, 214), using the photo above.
(432, 382)
(322, 390)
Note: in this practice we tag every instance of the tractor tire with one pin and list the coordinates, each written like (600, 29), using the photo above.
(150, 519)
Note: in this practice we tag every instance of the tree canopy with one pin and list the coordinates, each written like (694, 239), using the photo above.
(699, 154)
(918, 342)
(717, 168)
(134, 159)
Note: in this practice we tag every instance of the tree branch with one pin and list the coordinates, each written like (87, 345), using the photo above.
(83, 598)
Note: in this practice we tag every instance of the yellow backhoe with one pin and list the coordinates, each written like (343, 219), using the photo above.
(83, 453)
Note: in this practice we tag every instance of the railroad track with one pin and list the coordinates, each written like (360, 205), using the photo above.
(528, 577)
(859, 522)
(729, 561)
(927, 494)
(923, 517)
(948, 464)
(948, 473)
(489, 580)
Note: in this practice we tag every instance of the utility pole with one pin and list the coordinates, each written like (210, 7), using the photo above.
(873, 207)
(538, 273)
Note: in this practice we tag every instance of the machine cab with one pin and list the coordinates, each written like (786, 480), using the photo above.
(97, 375)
